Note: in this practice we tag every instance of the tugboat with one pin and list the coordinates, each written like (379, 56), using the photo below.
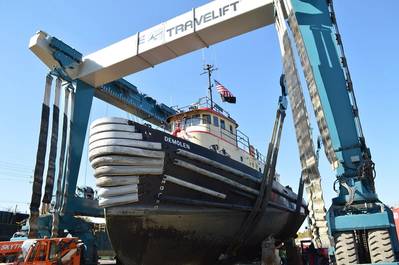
(181, 196)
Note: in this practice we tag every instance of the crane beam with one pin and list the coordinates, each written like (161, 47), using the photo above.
(201, 27)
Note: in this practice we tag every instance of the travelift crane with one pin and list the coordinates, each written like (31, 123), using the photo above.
(359, 226)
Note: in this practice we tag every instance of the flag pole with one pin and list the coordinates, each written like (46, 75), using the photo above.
(209, 69)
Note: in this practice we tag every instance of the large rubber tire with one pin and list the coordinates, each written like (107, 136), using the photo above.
(380, 246)
(345, 249)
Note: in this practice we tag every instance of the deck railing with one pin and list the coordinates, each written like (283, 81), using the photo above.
(204, 102)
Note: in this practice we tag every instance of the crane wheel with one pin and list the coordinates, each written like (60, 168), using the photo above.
(345, 248)
(380, 246)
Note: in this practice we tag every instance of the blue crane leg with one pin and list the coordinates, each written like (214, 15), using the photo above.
(80, 114)
(318, 34)
(321, 47)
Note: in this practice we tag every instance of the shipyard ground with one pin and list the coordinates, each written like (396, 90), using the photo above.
(111, 261)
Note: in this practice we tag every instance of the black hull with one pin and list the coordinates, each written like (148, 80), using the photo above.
(175, 225)
(197, 237)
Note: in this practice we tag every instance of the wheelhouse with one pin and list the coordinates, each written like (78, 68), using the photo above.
(207, 124)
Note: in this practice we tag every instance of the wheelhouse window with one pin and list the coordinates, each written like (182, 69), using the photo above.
(206, 118)
(222, 124)
(187, 121)
(176, 124)
(196, 119)
(216, 121)
(231, 129)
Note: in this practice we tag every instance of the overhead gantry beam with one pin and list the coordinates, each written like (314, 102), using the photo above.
(201, 27)
(62, 58)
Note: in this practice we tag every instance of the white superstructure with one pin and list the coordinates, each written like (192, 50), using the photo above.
(213, 128)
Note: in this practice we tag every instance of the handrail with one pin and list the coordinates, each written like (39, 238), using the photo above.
(204, 102)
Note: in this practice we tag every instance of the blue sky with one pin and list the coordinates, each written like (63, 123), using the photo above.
(249, 65)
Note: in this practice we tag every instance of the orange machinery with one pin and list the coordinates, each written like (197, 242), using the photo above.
(46, 251)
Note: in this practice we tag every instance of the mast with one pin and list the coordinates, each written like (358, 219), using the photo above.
(209, 69)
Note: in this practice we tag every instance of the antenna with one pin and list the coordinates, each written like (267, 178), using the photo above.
(208, 69)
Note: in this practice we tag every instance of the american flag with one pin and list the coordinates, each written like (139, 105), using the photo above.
(226, 95)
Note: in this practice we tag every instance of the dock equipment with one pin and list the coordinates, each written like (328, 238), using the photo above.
(42, 251)
(358, 227)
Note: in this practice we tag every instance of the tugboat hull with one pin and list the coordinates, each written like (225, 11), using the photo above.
(190, 236)
(171, 202)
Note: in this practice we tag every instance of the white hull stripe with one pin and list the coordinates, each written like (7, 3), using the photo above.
(214, 176)
(216, 164)
(194, 187)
